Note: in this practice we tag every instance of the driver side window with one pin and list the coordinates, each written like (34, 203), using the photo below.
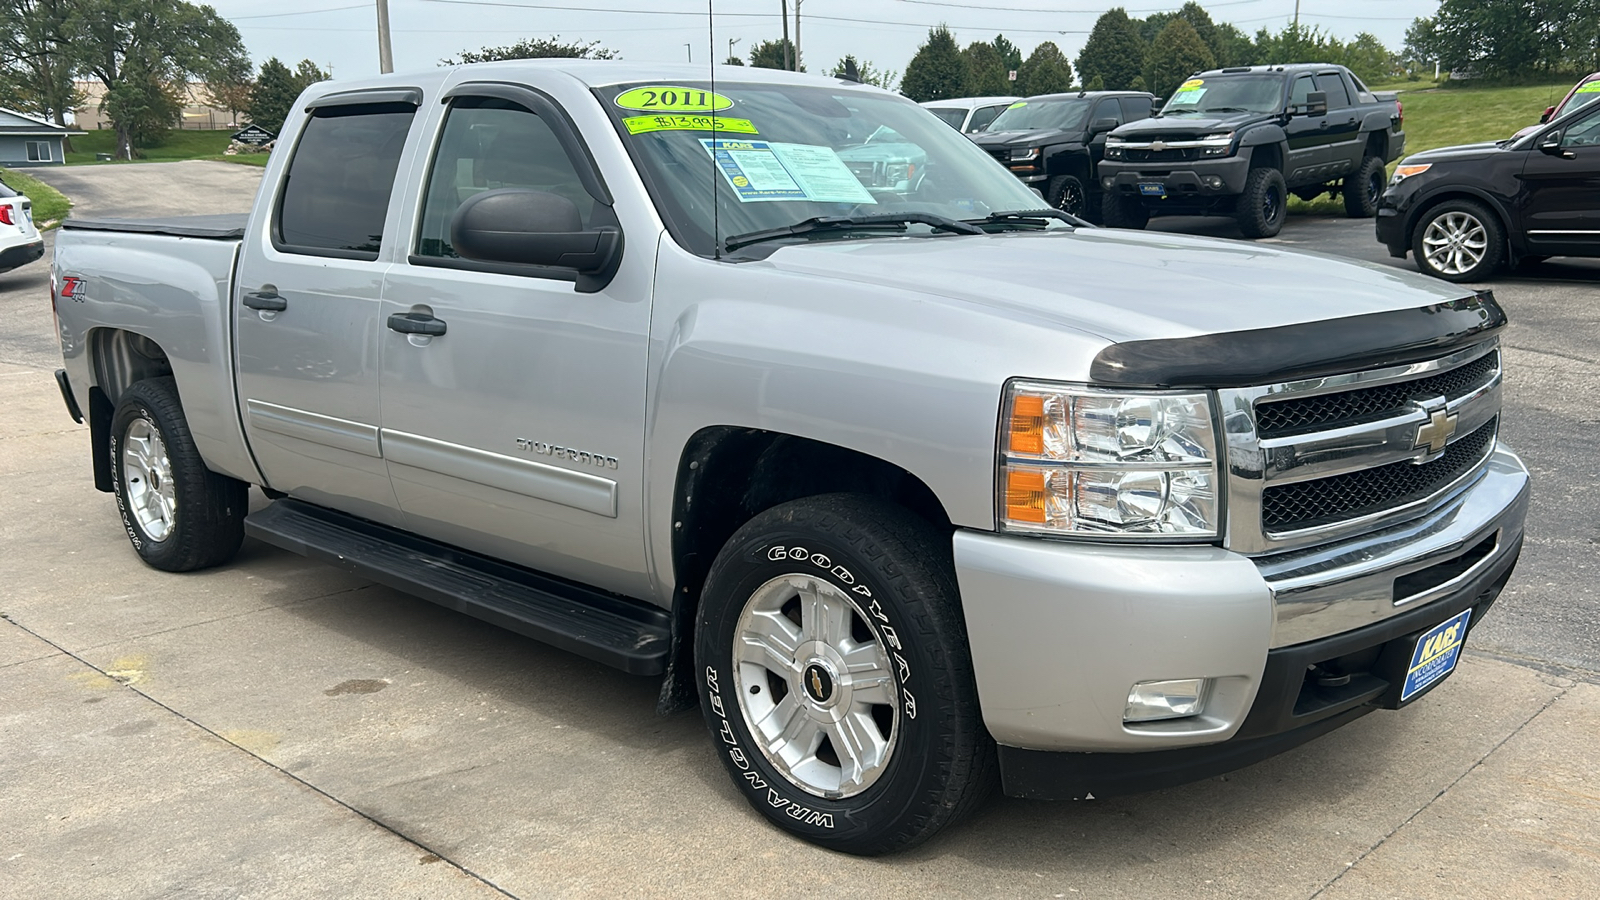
(1583, 133)
(1300, 93)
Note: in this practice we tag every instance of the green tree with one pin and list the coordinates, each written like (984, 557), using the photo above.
(1045, 71)
(938, 71)
(272, 95)
(35, 62)
(770, 54)
(534, 48)
(866, 73)
(1510, 38)
(1010, 53)
(229, 88)
(1175, 54)
(1114, 52)
(1234, 47)
(142, 51)
(733, 61)
(986, 71)
(1297, 44)
(1370, 59)
(1096, 83)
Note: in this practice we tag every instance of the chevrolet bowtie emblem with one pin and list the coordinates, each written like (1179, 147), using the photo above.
(1158, 145)
(1435, 433)
(816, 685)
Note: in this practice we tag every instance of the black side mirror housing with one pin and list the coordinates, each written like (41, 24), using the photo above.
(1101, 126)
(1316, 104)
(534, 228)
(1551, 144)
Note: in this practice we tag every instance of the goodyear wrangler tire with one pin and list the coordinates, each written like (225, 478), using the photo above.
(178, 514)
(835, 676)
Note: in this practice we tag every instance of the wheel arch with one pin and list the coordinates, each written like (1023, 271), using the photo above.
(1459, 192)
(118, 359)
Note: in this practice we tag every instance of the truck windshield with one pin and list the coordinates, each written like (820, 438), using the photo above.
(1227, 94)
(1035, 115)
(782, 154)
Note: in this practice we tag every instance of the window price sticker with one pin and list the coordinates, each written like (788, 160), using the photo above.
(646, 124)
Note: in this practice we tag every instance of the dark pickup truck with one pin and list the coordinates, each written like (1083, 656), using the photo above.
(1237, 141)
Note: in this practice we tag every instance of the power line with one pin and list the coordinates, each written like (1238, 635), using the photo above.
(664, 12)
(1058, 10)
(303, 12)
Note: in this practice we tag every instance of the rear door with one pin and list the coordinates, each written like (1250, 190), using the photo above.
(1343, 132)
(518, 432)
(308, 290)
(1560, 202)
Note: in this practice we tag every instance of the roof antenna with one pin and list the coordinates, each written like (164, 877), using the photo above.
(711, 54)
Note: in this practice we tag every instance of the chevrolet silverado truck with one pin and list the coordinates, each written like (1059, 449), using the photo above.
(1238, 141)
(1053, 142)
(634, 363)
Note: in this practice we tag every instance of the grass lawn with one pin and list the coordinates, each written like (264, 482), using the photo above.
(49, 206)
(177, 145)
(1459, 114)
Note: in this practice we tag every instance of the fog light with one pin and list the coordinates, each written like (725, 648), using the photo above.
(1107, 182)
(1214, 182)
(1153, 700)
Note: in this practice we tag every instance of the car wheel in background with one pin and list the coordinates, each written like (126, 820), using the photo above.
(835, 678)
(178, 514)
(1458, 240)
(1117, 211)
(1262, 207)
(1066, 194)
(1363, 188)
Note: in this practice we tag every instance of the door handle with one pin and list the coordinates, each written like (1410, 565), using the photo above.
(267, 298)
(416, 323)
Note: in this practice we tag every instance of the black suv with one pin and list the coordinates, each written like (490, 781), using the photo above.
(1054, 142)
(1236, 142)
(1463, 211)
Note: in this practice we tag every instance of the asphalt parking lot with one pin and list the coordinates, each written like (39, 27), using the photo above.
(277, 728)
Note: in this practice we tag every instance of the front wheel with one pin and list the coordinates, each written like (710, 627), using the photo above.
(1362, 189)
(1066, 194)
(835, 676)
(1123, 211)
(1458, 240)
(1261, 209)
(178, 514)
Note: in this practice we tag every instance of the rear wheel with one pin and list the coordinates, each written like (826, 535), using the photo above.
(1458, 240)
(1363, 188)
(178, 514)
(835, 676)
(1123, 212)
(1261, 208)
(1066, 194)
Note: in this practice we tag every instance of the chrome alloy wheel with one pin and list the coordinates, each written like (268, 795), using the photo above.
(815, 686)
(1455, 242)
(147, 472)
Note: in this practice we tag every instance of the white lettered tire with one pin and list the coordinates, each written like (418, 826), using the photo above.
(835, 676)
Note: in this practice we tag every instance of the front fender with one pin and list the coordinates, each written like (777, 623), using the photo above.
(1265, 134)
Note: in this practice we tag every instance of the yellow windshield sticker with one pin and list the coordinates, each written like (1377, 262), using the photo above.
(666, 98)
(1592, 87)
(1018, 105)
(643, 124)
(1191, 84)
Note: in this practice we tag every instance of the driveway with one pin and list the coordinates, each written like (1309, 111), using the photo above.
(277, 728)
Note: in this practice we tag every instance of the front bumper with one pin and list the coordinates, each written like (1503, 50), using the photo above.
(1182, 179)
(20, 255)
(1061, 631)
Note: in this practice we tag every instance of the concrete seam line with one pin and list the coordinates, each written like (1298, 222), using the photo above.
(1442, 791)
(280, 770)
(248, 612)
(1560, 670)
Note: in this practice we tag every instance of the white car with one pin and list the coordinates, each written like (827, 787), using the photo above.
(969, 115)
(20, 243)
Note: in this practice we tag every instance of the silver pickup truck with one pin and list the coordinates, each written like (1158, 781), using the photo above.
(911, 486)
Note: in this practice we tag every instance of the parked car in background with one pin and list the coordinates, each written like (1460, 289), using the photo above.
(1465, 211)
(1586, 91)
(20, 243)
(1237, 141)
(969, 115)
(1054, 142)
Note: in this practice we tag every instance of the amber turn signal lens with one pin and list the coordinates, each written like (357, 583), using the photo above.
(1027, 425)
(1025, 496)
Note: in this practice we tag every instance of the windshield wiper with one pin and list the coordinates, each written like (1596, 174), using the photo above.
(879, 221)
(1217, 109)
(1027, 216)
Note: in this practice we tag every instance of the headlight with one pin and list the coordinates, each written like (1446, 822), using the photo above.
(1216, 144)
(1087, 461)
(1401, 173)
(1025, 155)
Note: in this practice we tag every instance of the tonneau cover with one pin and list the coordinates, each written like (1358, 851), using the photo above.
(217, 228)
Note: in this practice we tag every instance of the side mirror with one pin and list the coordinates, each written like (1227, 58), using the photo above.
(1316, 104)
(1101, 126)
(531, 228)
(1545, 116)
(1551, 144)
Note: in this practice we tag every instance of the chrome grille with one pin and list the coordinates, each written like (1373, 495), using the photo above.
(1168, 155)
(1282, 417)
(1307, 504)
(1002, 155)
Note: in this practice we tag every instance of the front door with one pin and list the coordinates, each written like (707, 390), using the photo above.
(307, 311)
(1560, 202)
(1307, 136)
(518, 432)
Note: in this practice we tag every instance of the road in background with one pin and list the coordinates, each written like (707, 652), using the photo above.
(275, 727)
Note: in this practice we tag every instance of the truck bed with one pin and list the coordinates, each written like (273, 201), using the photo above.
(226, 227)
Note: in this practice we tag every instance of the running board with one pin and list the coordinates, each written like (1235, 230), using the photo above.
(623, 633)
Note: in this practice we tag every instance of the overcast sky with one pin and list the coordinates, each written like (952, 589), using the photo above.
(342, 33)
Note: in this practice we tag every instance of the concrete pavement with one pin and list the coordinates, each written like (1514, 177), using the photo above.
(277, 728)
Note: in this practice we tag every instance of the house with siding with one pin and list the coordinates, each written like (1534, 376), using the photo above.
(26, 141)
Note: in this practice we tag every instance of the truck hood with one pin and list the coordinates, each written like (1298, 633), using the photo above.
(1122, 285)
(1185, 126)
(1033, 138)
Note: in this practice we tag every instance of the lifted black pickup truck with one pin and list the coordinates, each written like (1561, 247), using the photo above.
(1236, 142)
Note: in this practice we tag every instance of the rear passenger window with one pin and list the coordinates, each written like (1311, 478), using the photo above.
(487, 144)
(1134, 108)
(1331, 84)
(337, 189)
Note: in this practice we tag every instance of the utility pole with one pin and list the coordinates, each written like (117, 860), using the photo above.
(385, 52)
(784, 4)
(1297, 19)
(731, 42)
(797, 64)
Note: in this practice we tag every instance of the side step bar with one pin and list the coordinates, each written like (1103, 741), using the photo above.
(623, 633)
